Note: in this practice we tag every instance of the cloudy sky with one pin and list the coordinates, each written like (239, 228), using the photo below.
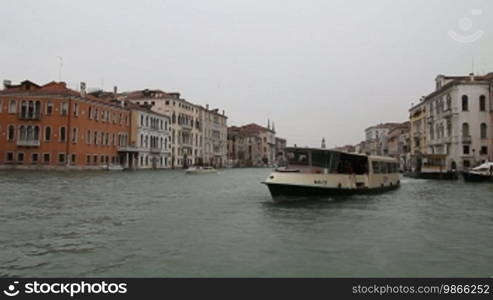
(317, 68)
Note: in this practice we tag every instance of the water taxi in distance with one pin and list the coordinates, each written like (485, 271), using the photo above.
(483, 172)
(432, 166)
(313, 172)
(201, 170)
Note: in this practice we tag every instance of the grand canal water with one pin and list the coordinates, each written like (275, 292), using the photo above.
(168, 224)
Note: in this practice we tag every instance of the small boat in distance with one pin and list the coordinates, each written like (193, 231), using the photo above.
(112, 167)
(201, 170)
(313, 172)
(431, 166)
(483, 172)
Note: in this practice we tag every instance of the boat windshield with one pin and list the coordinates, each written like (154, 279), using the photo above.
(329, 161)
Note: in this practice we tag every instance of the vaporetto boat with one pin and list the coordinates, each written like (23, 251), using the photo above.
(313, 172)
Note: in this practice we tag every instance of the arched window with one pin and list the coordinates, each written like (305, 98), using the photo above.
(23, 108)
(482, 103)
(47, 133)
(36, 133)
(13, 107)
(37, 108)
(30, 110)
(465, 129)
(49, 108)
(11, 133)
(141, 120)
(465, 103)
(30, 133)
(141, 141)
(63, 134)
(147, 121)
(22, 133)
(483, 130)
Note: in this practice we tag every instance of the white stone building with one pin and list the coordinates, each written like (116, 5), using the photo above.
(215, 137)
(459, 120)
(150, 146)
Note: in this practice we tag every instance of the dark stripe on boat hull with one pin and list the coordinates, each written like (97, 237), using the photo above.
(471, 177)
(290, 192)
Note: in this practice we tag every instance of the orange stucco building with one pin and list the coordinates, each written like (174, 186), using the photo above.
(51, 126)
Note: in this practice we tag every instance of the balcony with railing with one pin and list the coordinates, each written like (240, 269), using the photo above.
(28, 143)
(29, 115)
(466, 139)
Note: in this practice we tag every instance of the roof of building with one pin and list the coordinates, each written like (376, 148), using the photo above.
(455, 80)
(384, 125)
(52, 88)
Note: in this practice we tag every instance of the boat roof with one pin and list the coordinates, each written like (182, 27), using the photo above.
(378, 157)
(483, 165)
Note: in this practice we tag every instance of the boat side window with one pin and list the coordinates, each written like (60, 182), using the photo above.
(352, 164)
(376, 167)
(298, 158)
(383, 167)
(321, 159)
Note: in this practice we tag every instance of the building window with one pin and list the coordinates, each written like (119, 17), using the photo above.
(47, 133)
(74, 135)
(1, 105)
(76, 110)
(482, 103)
(13, 106)
(64, 108)
(49, 108)
(483, 131)
(466, 163)
(61, 158)
(465, 103)
(9, 156)
(73, 159)
(20, 157)
(11, 133)
(89, 115)
(465, 129)
(95, 159)
(88, 137)
(63, 134)
(465, 149)
(484, 150)
(88, 159)
(34, 158)
(46, 158)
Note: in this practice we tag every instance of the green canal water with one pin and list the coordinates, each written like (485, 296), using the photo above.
(169, 224)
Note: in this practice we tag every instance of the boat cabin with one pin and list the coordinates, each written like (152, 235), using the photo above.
(312, 160)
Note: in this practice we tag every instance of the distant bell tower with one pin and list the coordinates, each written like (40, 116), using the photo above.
(323, 143)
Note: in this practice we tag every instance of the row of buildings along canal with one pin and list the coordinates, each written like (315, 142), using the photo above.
(54, 127)
(454, 123)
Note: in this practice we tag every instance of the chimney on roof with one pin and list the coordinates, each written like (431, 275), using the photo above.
(207, 106)
(115, 91)
(471, 76)
(6, 84)
(83, 89)
(223, 112)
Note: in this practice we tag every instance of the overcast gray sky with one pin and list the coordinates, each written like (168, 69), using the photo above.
(317, 68)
